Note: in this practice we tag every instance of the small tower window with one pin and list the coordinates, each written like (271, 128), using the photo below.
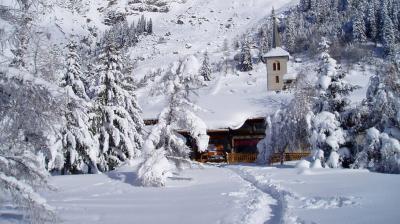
(277, 79)
(276, 66)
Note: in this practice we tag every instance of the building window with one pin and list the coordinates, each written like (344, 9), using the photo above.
(277, 79)
(276, 66)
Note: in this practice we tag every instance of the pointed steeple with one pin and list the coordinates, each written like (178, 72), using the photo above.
(276, 40)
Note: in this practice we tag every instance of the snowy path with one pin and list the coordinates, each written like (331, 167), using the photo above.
(326, 195)
(209, 195)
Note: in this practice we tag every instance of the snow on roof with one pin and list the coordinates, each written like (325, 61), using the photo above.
(228, 101)
(276, 52)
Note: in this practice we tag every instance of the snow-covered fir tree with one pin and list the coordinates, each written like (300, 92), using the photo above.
(164, 146)
(288, 129)
(246, 60)
(332, 99)
(371, 23)
(29, 114)
(290, 34)
(80, 147)
(381, 149)
(117, 120)
(264, 45)
(141, 25)
(359, 29)
(333, 90)
(149, 28)
(24, 18)
(205, 70)
(387, 32)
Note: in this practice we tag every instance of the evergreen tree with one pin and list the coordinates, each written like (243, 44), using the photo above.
(359, 29)
(290, 34)
(117, 120)
(381, 149)
(246, 63)
(388, 35)
(205, 70)
(21, 47)
(371, 24)
(80, 147)
(29, 112)
(264, 41)
(304, 5)
(141, 25)
(132, 35)
(382, 8)
(328, 133)
(332, 88)
(150, 26)
(164, 145)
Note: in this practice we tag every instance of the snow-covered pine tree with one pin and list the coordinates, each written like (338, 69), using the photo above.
(381, 149)
(331, 87)
(304, 5)
(288, 129)
(150, 26)
(359, 29)
(24, 17)
(141, 25)
(80, 147)
(332, 99)
(21, 47)
(290, 35)
(205, 70)
(164, 144)
(117, 120)
(264, 41)
(273, 142)
(246, 60)
(132, 34)
(387, 32)
(29, 110)
(382, 9)
(371, 24)
(396, 18)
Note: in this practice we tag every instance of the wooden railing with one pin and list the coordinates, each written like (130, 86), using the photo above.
(290, 156)
(241, 158)
(232, 158)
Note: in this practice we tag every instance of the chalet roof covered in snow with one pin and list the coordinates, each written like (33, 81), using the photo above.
(276, 52)
(228, 100)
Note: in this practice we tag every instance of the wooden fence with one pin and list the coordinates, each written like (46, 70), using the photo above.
(290, 156)
(241, 157)
(233, 158)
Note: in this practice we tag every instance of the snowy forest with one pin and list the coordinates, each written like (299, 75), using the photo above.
(71, 91)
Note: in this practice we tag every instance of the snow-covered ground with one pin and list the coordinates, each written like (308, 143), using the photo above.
(327, 195)
(231, 194)
(201, 195)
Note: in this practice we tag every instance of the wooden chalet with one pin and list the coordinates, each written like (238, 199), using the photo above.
(233, 145)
